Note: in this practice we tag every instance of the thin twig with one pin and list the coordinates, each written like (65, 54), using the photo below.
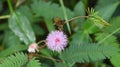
(77, 18)
(41, 41)
(41, 47)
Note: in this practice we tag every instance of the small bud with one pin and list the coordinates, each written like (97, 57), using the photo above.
(95, 19)
(33, 48)
(98, 21)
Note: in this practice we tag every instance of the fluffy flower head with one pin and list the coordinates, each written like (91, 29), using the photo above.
(56, 41)
(33, 48)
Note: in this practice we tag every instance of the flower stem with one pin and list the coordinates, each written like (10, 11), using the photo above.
(65, 15)
(78, 17)
(10, 6)
(41, 47)
(41, 41)
(109, 35)
(5, 17)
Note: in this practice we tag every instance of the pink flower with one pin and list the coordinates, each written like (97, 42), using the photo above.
(56, 41)
(33, 48)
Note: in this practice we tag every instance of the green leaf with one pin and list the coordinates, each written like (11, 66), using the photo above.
(80, 38)
(103, 3)
(49, 10)
(106, 12)
(25, 10)
(87, 53)
(79, 10)
(12, 49)
(45, 65)
(48, 52)
(38, 30)
(90, 28)
(115, 60)
(17, 60)
(33, 63)
(115, 24)
(20, 25)
(10, 39)
(110, 41)
(61, 65)
(49, 25)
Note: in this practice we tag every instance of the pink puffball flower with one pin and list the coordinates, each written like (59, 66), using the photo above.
(33, 48)
(56, 41)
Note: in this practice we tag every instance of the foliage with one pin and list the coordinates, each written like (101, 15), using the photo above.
(114, 25)
(107, 11)
(33, 63)
(21, 27)
(60, 65)
(41, 8)
(87, 53)
(12, 50)
(19, 60)
(95, 39)
(115, 60)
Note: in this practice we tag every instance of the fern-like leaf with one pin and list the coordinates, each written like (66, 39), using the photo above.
(80, 38)
(114, 60)
(33, 63)
(17, 60)
(61, 65)
(87, 53)
(110, 41)
(12, 49)
(115, 24)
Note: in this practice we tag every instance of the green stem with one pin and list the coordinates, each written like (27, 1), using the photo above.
(10, 6)
(65, 15)
(109, 35)
(41, 41)
(77, 18)
(4, 17)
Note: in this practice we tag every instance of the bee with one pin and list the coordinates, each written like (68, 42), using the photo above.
(59, 23)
